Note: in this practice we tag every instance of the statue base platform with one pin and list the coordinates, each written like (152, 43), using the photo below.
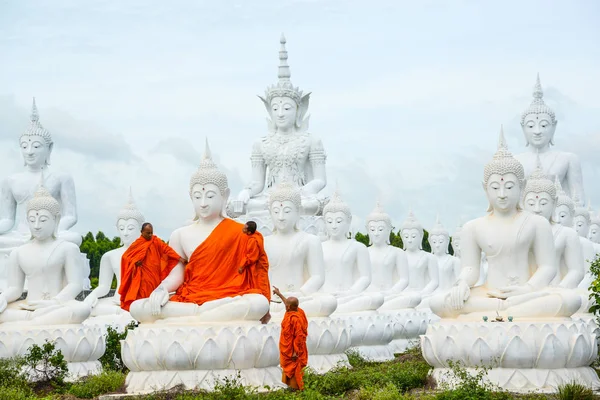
(161, 356)
(117, 321)
(521, 356)
(370, 334)
(409, 324)
(327, 342)
(81, 346)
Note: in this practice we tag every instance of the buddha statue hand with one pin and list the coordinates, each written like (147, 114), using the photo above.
(3, 302)
(510, 291)
(459, 293)
(91, 300)
(38, 304)
(244, 196)
(158, 298)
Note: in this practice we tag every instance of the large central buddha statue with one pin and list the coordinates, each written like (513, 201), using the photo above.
(448, 265)
(287, 153)
(539, 122)
(347, 262)
(296, 263)
(520, 252)
(209, 287)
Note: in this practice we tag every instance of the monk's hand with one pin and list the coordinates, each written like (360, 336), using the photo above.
(38, 304)
(240, 270)
(183, 260)
(459, 294)
(3, 303)
(138, 263)
(276, 291)
(158, 298)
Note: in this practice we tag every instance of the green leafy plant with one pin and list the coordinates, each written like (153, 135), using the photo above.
(595, 285)
(111, 359)
(95, 385)
(574, 391)
(46, 364)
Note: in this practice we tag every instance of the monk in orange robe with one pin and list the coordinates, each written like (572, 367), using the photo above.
(258, 263)
(144, 265)
(293, 354)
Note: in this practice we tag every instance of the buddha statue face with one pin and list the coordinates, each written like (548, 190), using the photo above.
(337, 225)
(208, 201)
(285, 215)
(456, 245)
(284, 112)
(539, 129)
(412, 239)
(42, 224)
(581, 225)
(503, 191)
(594, 234)
(128, 230)
(35, 151)
(439, 244)
(563, 215)
(379, 232)
(540, 203)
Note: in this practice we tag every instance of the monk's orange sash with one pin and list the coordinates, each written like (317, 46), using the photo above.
(294, 331)
(258, 263)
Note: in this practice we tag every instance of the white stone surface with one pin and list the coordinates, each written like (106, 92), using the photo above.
(370, 334)
(448, 266)
(408, 324)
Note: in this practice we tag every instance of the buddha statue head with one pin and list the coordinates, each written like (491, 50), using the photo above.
(539, 195)
(412, 233)
(503, 179)
(538, 121)
(209, 189)
(379, 226)
(286, 104)
(129, 222)
(338, 218)
(43, 215)
(285, 206)
(581, 217)
(594, 234)
(564, 208)
(36, 142)
(439, 238)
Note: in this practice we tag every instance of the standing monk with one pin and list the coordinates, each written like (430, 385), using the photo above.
(144, 265)
(257, 259)
(293, 354)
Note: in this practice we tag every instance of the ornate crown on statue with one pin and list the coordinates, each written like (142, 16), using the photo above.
(538, 106)
(503, 162)
(208, 172)
(130, 211)
(336, 204)
(378, 214)
(285, 191)
(438, 229)
(284, 87)
(562, 199)
(411, 222)
(539, 182)
(35, 128)
(43, 200)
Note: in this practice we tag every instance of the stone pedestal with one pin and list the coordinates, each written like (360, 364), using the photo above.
(162, 356)
(409, 324)
(370, 334)
(521, 356)
(328, 340)
(81, 346)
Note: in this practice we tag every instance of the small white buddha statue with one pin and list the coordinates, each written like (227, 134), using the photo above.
(581, 223)
(520, 252)
(36, 146)
(594, 234)
(456, 241)
(288, 152)
(448, 266)
(129, 224)
(51, 267)
(389, 265)
(422, 266)
(296, 263)
(347, 263)
(565, 206)
(538, 122)
(539, 197)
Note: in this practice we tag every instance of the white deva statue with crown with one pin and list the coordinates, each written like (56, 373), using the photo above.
(535, 345)
(52, 267)
(297, 268)
(287, 153)
(36, 147)
(107, 310)
(209, 329)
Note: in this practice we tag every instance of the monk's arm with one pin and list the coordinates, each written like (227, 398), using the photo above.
(402, 271)
(434, 276)
(8, 208)
(573, 256)
(543, 249)
(575, 178)
(16, 279)
(73, 273)
(252, 252)
(471, 255)
(316, 266)
(68, 204)
(364, 269)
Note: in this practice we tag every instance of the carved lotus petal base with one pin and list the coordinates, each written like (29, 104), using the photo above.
(559, 345)
(322, 364)
(370, 334)
(152, 381)
(118, 322)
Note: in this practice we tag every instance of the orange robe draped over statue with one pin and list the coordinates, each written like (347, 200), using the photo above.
(157, 258)
(257, 261)
(212, 271)
(292, 342)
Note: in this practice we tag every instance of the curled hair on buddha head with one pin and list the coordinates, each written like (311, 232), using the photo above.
(251, 225)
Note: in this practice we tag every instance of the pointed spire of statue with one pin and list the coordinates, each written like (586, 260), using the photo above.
(35, 115)
(284, 74)
(378, 214)
(130, 210)
(35, 127)
(336, 204)
(208, 172)
(43, 200)
(538, 92)
(537, 105)
(502, 140)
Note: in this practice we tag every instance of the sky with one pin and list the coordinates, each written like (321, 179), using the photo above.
(407, 97)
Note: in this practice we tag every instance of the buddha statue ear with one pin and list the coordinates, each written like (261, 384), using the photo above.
(553, 131)
(50, 147)
(225, 195)
(301, 122)
(270, 124)
(56, 223)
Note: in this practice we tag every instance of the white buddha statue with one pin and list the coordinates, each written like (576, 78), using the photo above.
(347, 263)
(565, 206)
(36, 146)
(214, 236)
(129, 224)
(594, 234)
(288, 152)
(520, 252)
(539, 197)
(448, 266)
(423, 272)
(51, 267)
(389, 265)
(296, 263)
(581, 223)
(539, 124)
(456, 241)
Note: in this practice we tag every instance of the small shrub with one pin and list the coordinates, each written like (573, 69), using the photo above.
(111, 359)
(11, 374)
(95, 385)
(469, 386)
(574, 391)
(232, 388)
(16, 393)
(46, 364)
(355, 359)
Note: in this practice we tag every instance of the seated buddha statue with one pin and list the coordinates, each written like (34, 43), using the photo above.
(129, 224)
(287, 153)
(51, 267)
(594, 234)
(36, 147)
(209, 287)
(539, 122)
(456, 241)
(296, 263)
(347, 263)
(520, 252)
(448, 265)
(581, 223)
(389, 265)
(565, 206)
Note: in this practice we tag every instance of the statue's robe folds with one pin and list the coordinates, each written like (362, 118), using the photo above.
(212, 271)
(158, 259)
(257, 263)
(292, 342)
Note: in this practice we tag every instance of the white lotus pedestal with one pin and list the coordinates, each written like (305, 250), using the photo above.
(522, 356)
(370, 334)
(81, 346)
(162, 356)
(408, 324)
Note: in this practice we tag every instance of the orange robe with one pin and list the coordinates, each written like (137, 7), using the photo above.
(212, 271)
(294, 331)
(158, 259)
(257, 260)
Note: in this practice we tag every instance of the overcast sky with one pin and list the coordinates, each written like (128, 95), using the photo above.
(408, 96)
